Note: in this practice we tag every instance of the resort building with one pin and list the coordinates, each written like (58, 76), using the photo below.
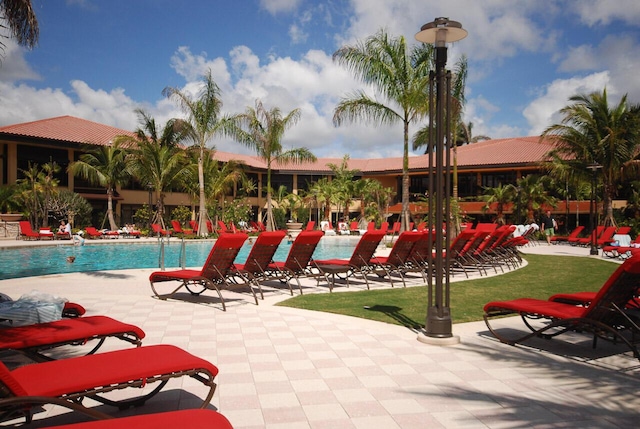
(63, 139)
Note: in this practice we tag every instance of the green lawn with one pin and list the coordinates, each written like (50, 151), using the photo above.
(541, 278)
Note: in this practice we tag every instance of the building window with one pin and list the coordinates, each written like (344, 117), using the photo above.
(493, 180)
(41, 156)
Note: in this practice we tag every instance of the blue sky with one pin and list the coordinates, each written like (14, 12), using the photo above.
(100, 60)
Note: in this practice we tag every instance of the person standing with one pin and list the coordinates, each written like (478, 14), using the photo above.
(548, 225)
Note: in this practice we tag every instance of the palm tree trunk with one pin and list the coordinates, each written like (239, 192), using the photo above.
(112, 222)
(270, 223)
(405, 219)
(202, 213)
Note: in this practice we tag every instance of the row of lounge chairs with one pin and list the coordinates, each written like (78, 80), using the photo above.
(480, 249)
(67, 382)
(45, 233)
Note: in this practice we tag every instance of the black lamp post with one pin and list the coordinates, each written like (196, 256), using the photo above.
(593, 207)
(440, 32)
(150, 188)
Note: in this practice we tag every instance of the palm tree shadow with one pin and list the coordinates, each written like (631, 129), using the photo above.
(394, 313)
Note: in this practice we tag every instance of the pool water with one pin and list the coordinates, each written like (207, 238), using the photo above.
(42, 260)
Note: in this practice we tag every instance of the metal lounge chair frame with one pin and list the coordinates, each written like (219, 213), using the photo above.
(605, 317)
(398, 259)
(94, 376)
(214, 274)
(360, 261)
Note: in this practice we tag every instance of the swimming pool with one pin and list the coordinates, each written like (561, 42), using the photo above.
(31, 261)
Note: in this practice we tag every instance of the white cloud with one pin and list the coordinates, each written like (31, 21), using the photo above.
(297, 34)
(598, 12)
(279, 6)
(544, 111)
(13, 65)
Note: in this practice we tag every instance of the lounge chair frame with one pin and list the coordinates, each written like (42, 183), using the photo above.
(214, 275)
(605, 317)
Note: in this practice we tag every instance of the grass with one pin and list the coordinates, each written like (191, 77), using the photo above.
(541, 278)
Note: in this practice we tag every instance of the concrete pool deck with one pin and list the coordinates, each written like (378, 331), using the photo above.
(288, 368)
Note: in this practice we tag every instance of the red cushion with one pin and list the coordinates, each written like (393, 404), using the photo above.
(197, 418)
(163, 276)
(537, 306)
(64, 330)
(55, 378)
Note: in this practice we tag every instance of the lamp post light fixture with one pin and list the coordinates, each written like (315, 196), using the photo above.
(438, 322)
(593, 207)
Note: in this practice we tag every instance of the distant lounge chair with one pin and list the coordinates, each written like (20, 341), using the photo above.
(214, 274)
(298, 260)
(358, 263)
(605, 316)
(158, 231)
(26, 232)
(177, 228)
(222, 228)
(565, 238)
(310, 225)
(95, 376)
(92, 232)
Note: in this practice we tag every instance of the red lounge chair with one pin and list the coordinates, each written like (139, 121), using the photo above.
(384, 226)
(421, 226)
(354, 227)
(358, 263)
(604, 317)
(261, 255)
(45, 232)
(298, 261)
(185, 419)
(177, 228)
(565, 238)
(26, 232)
(210, 227)
(92, 232)
(398, 259)
(261, 227)
(94, 376)
(395, 229)
(213, 274)
(310, 225)
(194, 226)
(158, 231)
(222, 228)
(34, 339)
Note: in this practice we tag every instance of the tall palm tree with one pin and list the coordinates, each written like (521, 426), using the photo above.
(593, 131)
(163, 167)
(262, 130)
(203, 123)
(401, 76)
(104, 166)
(21, 21)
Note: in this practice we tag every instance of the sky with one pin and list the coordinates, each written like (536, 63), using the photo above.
(100, 60)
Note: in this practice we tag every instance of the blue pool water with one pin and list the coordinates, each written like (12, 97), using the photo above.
(41, 260)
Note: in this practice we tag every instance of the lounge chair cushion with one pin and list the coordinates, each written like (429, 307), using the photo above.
(64, 331)
(537, 306)
(52, 378)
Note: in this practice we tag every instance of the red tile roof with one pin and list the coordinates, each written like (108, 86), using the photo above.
(67, 129)
(489, 153)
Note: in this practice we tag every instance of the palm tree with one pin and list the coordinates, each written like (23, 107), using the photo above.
(500, 195)
(532, 194)
(203, 123)
(262, 130)
(104, 166)
(401, 76)
(22, 22)
(163, 167)
(592, 131)
(344, 183)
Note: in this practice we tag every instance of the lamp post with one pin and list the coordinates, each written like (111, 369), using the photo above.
(150, 188)
(438, 323)
(593, 207)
